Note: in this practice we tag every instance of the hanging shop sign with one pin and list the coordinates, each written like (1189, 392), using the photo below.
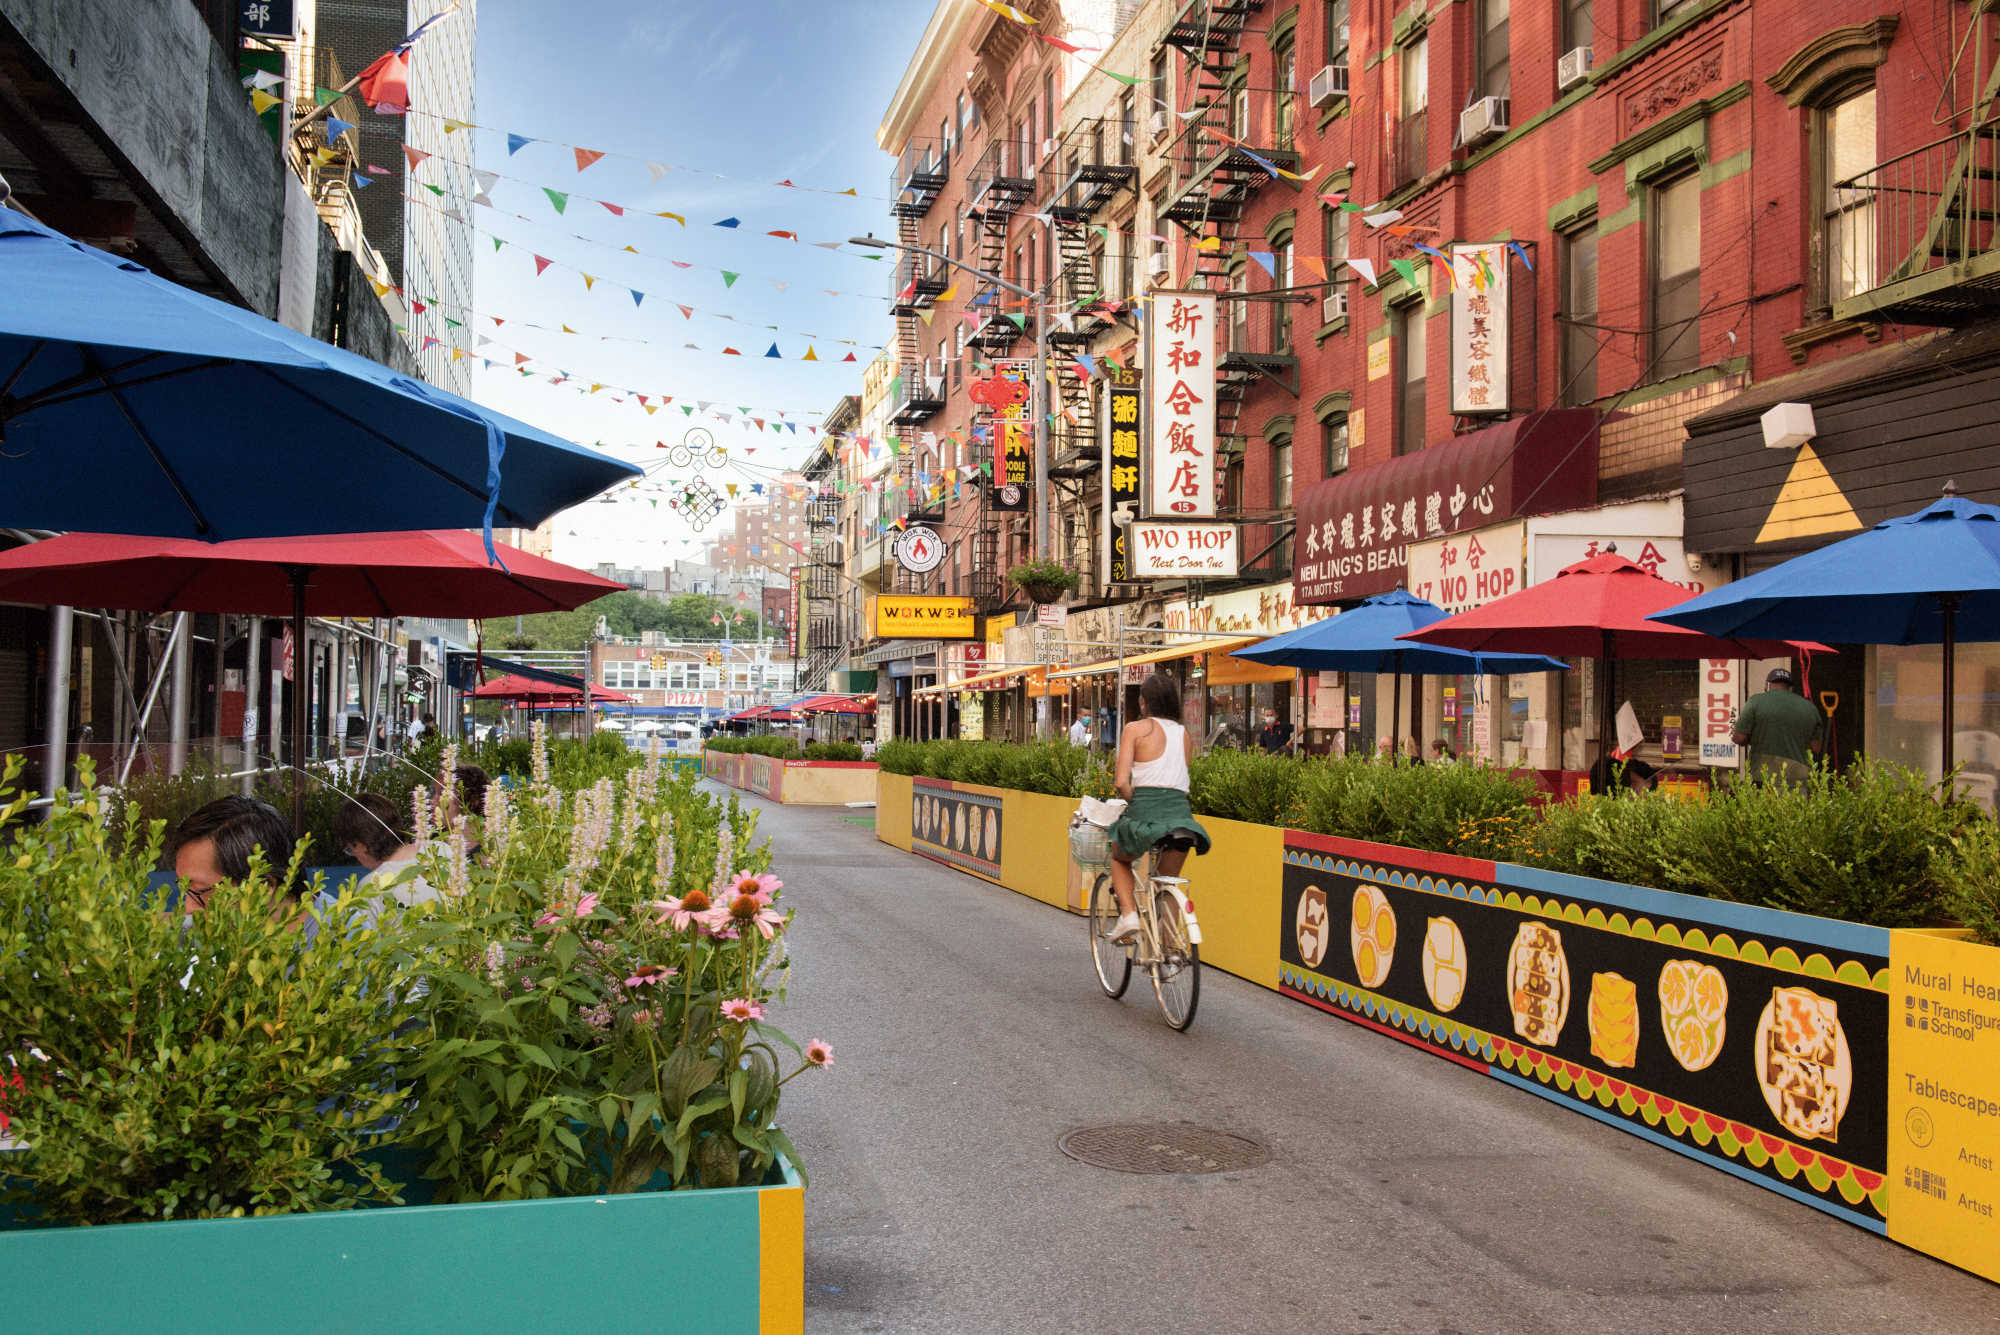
(1010, 397)
(1188, 551)
(1721, 697)
(920, 550)
(1469, 570)
(1268, 609)
(1662, 555)
(912, 617)
(1180, 376)
(266, 18)
(1353, 529)
(793, 631)
(1479, 328)
(1121, 471)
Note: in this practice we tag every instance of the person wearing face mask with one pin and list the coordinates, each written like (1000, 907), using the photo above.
(1274, 737)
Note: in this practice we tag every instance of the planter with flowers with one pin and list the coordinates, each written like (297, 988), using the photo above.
(1044, 581)
(566, 1054)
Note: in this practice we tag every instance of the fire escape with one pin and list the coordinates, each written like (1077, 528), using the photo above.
(922, 172)
(1216, 170)
(1002, 184)
(825, 637)
(1916, 239)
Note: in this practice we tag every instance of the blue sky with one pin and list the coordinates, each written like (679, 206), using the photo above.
(758, 92)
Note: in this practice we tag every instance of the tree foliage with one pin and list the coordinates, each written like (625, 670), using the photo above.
(684, 616)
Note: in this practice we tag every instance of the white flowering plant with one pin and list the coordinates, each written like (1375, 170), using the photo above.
(599, 968)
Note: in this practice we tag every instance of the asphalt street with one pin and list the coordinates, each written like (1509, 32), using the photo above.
(1404, 1193)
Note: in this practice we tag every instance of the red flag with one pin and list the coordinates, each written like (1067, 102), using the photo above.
(385, 84)
(585, 157)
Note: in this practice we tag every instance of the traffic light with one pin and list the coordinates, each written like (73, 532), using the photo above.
(659, 661)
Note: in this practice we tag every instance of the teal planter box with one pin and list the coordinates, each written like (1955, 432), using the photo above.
(723, 1262)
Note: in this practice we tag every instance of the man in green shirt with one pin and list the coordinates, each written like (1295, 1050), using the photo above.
(1783, 730)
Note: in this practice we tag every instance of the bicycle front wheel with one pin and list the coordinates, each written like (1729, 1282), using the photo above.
(1177, 973)
(1113, 961)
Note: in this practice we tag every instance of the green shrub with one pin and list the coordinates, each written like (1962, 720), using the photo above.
(782, 748)
(1973, 895)
(1245, 785)
(172, 1067)
(833, 751)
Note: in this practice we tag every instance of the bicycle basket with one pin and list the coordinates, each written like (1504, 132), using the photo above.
(1089, 845)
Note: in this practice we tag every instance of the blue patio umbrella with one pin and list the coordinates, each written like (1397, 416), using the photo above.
(130, 404)
(1932, 577)
(1364, 639)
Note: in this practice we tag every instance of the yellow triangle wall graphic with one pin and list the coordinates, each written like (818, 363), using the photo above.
(1809, 503)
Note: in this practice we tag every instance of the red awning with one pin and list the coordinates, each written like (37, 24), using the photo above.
(1537, 464)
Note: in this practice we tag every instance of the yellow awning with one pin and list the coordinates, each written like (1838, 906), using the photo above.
(1171, 652)
(974, 682)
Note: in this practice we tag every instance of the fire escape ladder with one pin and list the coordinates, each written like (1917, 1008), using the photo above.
(988, 586)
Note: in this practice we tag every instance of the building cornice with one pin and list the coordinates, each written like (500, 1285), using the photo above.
(941, 35)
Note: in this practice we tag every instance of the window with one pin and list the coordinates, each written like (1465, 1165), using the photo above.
(1049, 103)
(1665, 10)
(1333, 444)
(1285, 106)
(1577, 30)
(1121, 152)
(1676, 305)
(1411, 358)
(1413, 99)
(1846, 133)
(1281, 474)
(1163, 85)
(1281, 279)
(1030, 153)
(1239, 312)
(963, 124)
(1493, 48)
(1232, 484)
(944, 135)
(1336, 32)
(957, 357)
(1578, 342)
(1332, 238)
(1239, 112)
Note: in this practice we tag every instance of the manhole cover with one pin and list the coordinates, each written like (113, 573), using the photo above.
(1167, 1147)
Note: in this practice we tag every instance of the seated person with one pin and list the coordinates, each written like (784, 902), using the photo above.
(1441, 751)
(369, 829)
(1613, 772)
(215, 843)
(472, 785)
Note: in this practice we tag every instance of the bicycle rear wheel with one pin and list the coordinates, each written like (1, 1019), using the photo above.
(1177, 973)
(1114, 962)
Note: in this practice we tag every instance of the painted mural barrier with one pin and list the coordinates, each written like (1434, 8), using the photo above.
(799, 782)
(1850, 1068)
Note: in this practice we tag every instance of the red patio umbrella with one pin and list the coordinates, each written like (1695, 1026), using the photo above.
(516, 687)
(423, 572)
(1598, 608)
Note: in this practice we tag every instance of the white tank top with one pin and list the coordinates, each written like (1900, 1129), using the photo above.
(1170, 769)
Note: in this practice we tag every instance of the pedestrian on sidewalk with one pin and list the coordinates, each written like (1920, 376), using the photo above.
(1782, 728)
(1079, 732)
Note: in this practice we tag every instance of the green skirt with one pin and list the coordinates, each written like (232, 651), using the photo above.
(1150, 816)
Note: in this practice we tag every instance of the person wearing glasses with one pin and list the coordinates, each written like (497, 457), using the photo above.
(216, 842)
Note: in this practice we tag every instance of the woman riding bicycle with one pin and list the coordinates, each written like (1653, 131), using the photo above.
(1153, 756)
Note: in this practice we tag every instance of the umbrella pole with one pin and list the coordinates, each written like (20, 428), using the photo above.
(299, 676)
(1948, 605)
(1395, 708)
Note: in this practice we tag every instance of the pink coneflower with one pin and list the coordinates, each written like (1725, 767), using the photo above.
(685, 912)
(742, 1010)
(748, 910)
(643, 1017)
(819, 1053)
(561, 909)
(648, 974)
(762, 885)
(718, 923)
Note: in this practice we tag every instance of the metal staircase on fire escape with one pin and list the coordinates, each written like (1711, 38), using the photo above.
(1918, 236)
(1216, 175)
(1002, 184)
(918, 392)
(824, 645)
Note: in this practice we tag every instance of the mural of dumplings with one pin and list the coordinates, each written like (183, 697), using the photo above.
(1693, 999)
(1444, 963)
(992, 835)
(1803, 1063)
(1312, 928)
(1613, 1019)
(1372, 936)
(1538, 983)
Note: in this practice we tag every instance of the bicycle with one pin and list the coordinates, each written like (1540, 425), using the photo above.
(1168, 945)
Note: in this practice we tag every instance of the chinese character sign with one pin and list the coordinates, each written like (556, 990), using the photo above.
(1180, 360)
(1012, 428)
(1121, 471)
(266, 18)
(1479, 329)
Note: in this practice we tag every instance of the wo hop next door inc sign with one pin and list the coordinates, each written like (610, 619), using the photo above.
(1192, 551)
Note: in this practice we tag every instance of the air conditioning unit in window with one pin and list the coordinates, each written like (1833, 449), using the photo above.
(1048, 147)
(1333, 306)
(1573, 67)
(1157, 126)
(1482, 120)
(1328, 84)
(1158, 266)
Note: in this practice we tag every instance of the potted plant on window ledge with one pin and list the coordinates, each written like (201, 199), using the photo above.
(1044, 581)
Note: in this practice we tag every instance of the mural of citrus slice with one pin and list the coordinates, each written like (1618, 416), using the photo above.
(1689, 1041)
(1711, 994)
(1675, 988)
(1364, 909)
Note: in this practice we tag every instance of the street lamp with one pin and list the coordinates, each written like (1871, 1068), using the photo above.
(1038, 386)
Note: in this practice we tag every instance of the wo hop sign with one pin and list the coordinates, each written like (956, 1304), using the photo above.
(1194, 551)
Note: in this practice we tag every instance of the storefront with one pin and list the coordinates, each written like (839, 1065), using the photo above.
(1890, 427)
